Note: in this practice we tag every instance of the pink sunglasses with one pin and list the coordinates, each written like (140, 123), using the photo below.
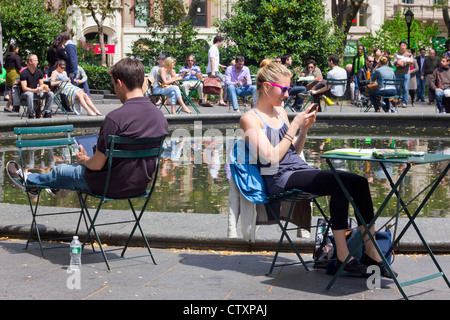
(283, 89)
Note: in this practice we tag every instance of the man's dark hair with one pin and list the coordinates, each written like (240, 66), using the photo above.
(401, 42)
(130, 71)
(240, 58)
(334, 58)
(284, 58)
(217, 39)
(65, 35)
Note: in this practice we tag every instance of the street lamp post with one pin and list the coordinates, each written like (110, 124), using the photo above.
(409, 16)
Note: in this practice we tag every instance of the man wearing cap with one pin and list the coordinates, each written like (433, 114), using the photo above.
(154, 72)
(153, 76)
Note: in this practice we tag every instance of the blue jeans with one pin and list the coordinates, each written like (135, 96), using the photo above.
(63, 176)
(242, 91)
(438, 95)
(298, 102)
(421, 87)
(173, 93)
(405, 77)
(373, 98)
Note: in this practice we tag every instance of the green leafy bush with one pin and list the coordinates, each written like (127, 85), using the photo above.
(258, 29)
(98, 77)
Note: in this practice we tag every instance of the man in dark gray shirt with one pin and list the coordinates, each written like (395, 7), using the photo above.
(430, 64)
(137, 118)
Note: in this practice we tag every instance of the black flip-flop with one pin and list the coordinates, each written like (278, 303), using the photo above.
(7, 110)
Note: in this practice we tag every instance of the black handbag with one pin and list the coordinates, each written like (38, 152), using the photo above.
(65, 102)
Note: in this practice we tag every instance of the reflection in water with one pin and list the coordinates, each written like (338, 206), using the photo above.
(194, 174)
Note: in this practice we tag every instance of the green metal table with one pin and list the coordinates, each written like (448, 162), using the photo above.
(395, 187)
(188, 95)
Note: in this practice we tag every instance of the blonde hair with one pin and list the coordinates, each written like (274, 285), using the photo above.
(270, 71)
(168, 63)
(383, 61)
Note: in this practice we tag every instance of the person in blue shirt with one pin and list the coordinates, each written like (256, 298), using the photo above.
(71, 51)
(192, 72)
(383, 73)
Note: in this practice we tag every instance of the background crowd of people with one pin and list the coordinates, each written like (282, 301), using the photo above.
(417, 74)
(31, 83)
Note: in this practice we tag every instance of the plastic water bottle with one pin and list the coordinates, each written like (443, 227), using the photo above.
(75, 253)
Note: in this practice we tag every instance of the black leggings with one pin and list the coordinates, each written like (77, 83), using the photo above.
(323, 183)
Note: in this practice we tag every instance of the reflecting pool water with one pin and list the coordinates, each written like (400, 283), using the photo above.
(194, 173)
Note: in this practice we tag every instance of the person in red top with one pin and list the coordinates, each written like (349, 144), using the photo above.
(137, 118)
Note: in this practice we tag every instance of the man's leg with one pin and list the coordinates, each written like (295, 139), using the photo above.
(63, 176)
(200, 92)
(28, 98)
(430, 91)
(86, 88)
(406, 78)
(319, 85)
(420, 88)
(438, 95)
(401, 86)
(245, 91)
(232, 95)
(298, 102)
(49, 97)
(373, 98)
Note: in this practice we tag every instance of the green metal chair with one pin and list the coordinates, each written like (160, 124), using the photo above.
(59, 104)
(154, 99)
(148, 147)
(248, 179)
(291, 197)
(48, 138)
(22, 103)
(338, 82)
(398, 83)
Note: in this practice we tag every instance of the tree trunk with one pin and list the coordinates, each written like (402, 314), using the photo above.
(1, 39)
(446, 18)
(344, 11)
(101, 40)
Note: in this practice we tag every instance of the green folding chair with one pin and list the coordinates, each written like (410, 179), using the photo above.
(291, 197)
(48, 138)
(248, 179)
(154, 99)
(398, 83)
(338, 82)
(59, 104)
(147, 147)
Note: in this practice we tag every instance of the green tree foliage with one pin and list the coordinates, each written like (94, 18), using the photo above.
(171, 32)
(30, 26)
(258, 29)
(393, 31)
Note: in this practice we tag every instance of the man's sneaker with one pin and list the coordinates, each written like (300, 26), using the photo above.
(52, 192)
(15, 173)
(18, 177)
(305, 95)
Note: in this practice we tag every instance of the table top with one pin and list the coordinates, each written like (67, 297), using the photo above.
(415, 159)
(183, 80)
